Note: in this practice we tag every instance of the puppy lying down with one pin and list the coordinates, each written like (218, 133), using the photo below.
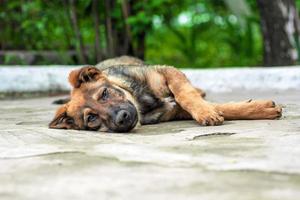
(118, 94)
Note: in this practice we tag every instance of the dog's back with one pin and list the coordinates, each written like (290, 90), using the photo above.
(120, 61)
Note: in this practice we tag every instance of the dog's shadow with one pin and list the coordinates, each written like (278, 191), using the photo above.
(168, 127)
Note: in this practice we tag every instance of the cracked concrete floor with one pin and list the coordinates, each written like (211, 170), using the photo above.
(176, 160)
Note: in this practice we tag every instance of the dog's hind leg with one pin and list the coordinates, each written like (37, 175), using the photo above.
(260, 109)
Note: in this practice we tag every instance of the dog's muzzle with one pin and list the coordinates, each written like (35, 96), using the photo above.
(125, 119)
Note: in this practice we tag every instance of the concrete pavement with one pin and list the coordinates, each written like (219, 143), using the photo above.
(176, 160)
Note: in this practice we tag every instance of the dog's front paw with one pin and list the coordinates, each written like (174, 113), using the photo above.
(208, 116)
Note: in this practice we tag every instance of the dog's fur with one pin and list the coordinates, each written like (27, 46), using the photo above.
(120, 93)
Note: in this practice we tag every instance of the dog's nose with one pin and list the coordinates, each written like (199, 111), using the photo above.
(123, 118)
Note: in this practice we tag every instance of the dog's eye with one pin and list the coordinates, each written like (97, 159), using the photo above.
(92, 118)
(104, 95)
(69, 121)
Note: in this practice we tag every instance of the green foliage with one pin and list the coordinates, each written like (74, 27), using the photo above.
(207, 36)
(190, 33)
(13, 60)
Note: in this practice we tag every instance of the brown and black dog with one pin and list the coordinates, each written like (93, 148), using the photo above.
(120, 93)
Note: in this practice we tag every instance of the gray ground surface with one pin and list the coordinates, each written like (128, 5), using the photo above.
(176, 160)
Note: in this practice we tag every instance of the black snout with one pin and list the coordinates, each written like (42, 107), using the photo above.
(125, 120)
(122, 118)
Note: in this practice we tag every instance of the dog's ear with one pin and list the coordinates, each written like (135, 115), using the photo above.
(61, 119)
(83, 75)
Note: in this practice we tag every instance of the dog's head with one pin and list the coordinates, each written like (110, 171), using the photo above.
(96, 104)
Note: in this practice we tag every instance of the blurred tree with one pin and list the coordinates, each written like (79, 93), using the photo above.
(240, 9)
(74, 21)
(207, 34)
(121, 38)
(189, 33)
(280, 28)
(109, 29)
(98, 50)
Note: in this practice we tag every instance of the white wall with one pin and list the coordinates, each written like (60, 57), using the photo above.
(45, 78)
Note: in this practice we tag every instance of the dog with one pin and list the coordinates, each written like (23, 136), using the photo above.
(118, 94)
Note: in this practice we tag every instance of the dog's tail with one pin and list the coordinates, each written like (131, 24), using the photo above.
(61, 101)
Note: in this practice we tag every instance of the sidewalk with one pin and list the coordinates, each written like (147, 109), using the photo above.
(178, 160)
